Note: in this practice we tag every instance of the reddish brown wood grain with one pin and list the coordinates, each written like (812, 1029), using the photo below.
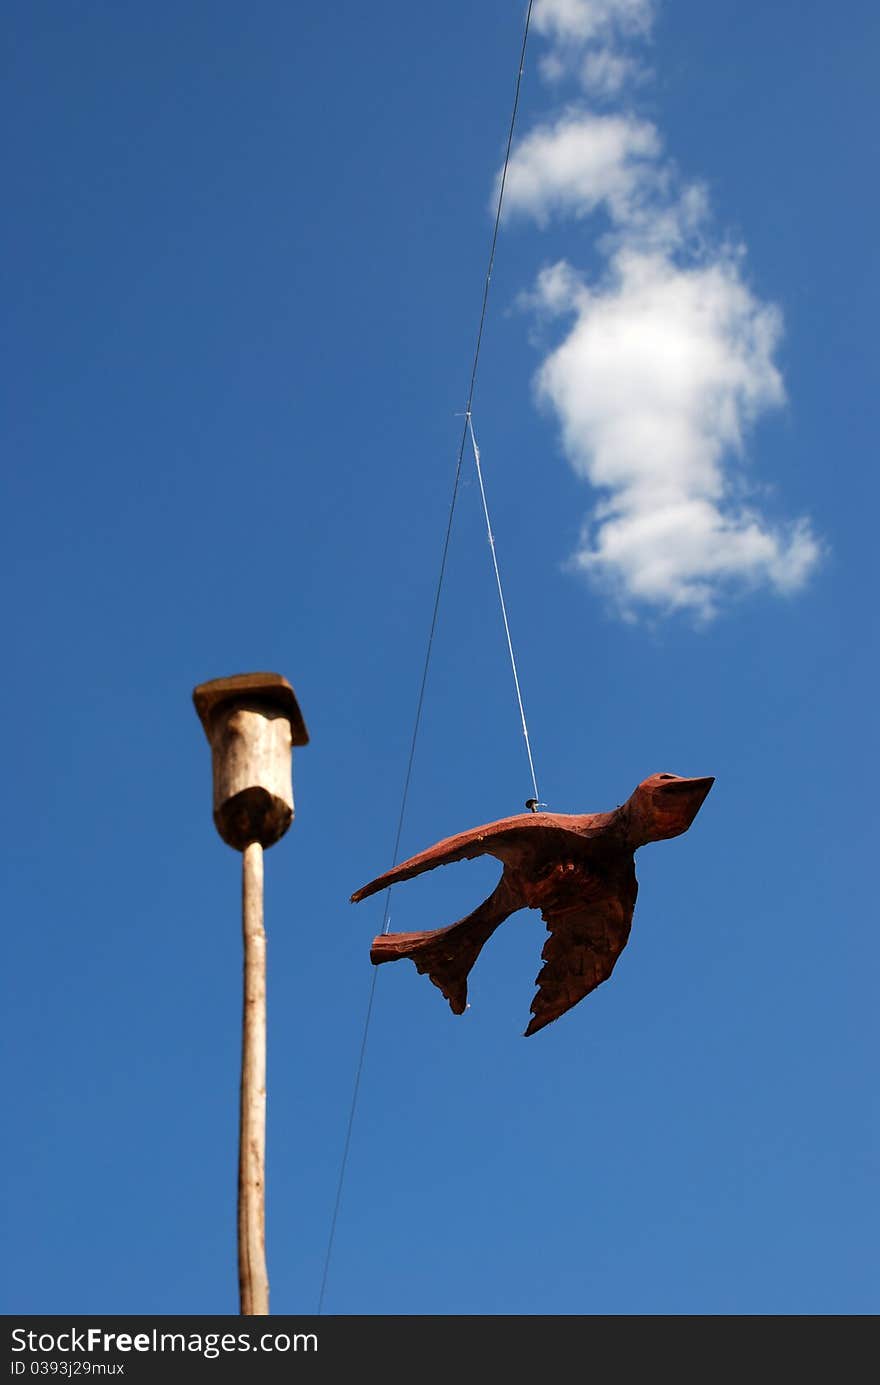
(577, 869)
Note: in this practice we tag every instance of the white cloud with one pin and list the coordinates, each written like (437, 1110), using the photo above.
(570, 25)
(582, 21)
(670, 356)
(605, 72)
(654, 388)
(581, 161)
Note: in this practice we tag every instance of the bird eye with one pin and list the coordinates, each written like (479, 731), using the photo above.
(668, 776)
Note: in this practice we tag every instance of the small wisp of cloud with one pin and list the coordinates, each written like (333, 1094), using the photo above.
(668, 358)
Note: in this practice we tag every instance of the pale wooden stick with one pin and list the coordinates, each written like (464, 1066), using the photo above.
(252, 721)
(253, 1278)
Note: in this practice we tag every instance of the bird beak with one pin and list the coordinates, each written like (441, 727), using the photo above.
(684, 799)
(691, 787)
(701, 785)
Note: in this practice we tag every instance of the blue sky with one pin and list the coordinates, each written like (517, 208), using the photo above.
(245, 249)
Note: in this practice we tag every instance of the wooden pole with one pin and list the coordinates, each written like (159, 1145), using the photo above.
(253, 1278)
(252, 722)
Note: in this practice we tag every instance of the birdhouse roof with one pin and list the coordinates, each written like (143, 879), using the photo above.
(268, 688)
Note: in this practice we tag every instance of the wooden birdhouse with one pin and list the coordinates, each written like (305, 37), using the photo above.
(252, 721)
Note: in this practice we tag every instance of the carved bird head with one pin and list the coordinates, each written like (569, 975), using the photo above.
(664, 805)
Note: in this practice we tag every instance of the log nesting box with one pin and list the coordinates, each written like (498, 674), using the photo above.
(252, 721)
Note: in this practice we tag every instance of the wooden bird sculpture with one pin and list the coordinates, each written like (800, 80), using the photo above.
(577, 869)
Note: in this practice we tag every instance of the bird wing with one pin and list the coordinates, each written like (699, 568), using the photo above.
(587, 935)
(509, 840)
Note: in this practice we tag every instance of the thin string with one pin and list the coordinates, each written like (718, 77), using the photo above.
(522, 714)
(433, 628)
(347, 1145)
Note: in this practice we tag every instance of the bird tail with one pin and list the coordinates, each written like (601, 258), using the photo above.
(446, 955)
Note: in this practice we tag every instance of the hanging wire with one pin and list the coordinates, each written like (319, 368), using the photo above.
(522, 714)
(424, 681)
